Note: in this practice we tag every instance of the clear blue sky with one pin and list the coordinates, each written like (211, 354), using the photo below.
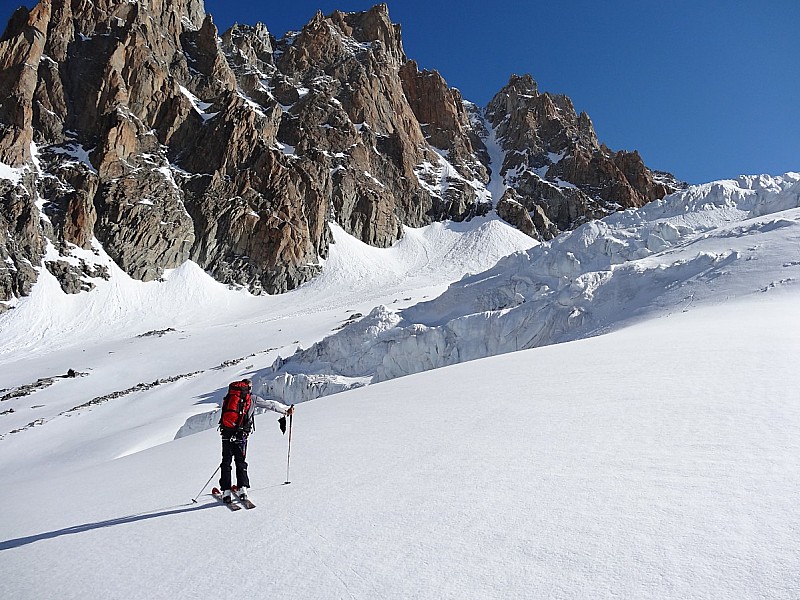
(706, 89)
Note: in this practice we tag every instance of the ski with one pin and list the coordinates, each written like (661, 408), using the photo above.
(218, 495)
(247, 503)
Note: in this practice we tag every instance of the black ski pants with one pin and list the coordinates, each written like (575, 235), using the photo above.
(233, 449)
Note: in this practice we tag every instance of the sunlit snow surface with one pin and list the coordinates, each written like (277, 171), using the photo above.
(196, 327)
(707, 244)
(658, 460)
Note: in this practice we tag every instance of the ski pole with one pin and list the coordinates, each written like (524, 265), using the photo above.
(206, 485)
(289, 453)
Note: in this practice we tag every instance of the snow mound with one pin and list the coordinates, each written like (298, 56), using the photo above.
(437, 253)
(672, 254)
(120, 306)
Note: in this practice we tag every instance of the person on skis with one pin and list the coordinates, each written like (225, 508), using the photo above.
(236, 424)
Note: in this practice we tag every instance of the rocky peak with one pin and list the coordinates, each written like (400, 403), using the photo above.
(249, 46)
(560, 172)
(522, 85)
(374, 26)
(541, 123)
(445, 120)
(161, 142)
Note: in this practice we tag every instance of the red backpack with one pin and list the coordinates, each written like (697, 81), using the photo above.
(235, 406)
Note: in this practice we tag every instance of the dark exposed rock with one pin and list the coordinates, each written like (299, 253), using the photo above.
(557, 166)
(444, 119)
(68, 277)
(157, 332)
(22, 241)
(512, 211)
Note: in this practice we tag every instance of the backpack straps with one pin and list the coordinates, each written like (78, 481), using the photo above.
(243, 397)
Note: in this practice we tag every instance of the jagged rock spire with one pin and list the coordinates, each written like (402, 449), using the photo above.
(163, 142)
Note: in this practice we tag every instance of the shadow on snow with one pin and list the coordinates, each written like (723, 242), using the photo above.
(30, 539)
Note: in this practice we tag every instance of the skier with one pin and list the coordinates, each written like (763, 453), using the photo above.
(235, 425)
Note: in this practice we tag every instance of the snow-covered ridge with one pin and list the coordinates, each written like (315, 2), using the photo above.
(671, 254)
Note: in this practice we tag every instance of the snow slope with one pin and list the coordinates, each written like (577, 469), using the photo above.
(162, 352)
(658, 460)
(704, 245)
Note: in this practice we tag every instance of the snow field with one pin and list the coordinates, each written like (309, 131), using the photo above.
(210, 335)
(659, 461)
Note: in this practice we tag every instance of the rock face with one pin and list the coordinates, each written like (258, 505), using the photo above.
(136, 129)
(553, 161)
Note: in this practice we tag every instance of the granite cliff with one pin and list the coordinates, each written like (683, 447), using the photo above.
(138, 129)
